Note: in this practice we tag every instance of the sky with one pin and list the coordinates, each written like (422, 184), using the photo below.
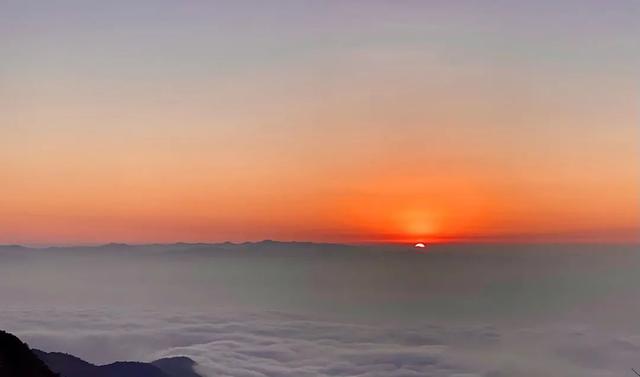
(342, 121)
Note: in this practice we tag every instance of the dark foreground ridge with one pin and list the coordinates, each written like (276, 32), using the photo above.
(17, 360)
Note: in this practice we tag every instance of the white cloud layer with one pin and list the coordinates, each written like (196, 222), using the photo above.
(277, 345)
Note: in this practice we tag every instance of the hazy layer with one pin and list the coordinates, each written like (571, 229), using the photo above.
(498, 304)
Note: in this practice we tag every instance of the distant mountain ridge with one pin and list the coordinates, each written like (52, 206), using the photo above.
(114, 246)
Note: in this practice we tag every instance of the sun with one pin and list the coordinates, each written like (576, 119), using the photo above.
(420, 245)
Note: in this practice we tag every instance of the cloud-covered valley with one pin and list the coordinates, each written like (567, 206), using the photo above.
(274, 310)
(278, 345)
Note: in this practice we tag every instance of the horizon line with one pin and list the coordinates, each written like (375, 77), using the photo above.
(504, 242)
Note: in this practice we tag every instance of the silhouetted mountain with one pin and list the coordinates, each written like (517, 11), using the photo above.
(71, 366)
(65, 364)
(127, 369)
(17, 360)
(177, 366)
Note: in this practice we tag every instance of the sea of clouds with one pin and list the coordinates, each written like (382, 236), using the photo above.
(279, 345)
(301, 312)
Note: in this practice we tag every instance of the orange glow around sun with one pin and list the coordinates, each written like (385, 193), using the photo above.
(379, 141)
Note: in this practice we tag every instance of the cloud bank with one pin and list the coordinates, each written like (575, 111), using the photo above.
(278, 345)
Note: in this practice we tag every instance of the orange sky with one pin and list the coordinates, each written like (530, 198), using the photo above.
(321, 131)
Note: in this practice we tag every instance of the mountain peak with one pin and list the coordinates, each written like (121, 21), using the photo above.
(16, 359)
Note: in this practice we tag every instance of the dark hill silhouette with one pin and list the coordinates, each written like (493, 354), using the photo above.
(62, 362)
(17, 360)
(177, 366)
(71, 366)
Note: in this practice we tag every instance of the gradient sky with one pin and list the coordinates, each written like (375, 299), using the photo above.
(351, 121)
